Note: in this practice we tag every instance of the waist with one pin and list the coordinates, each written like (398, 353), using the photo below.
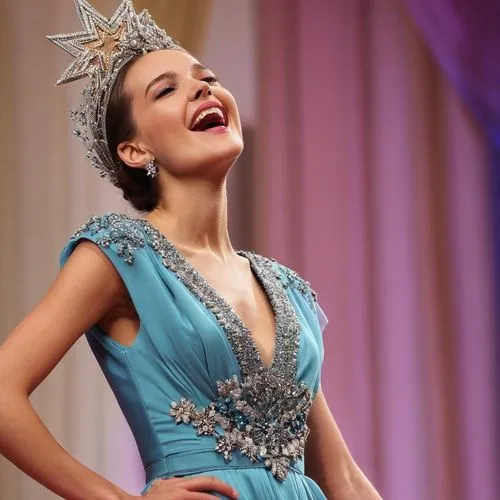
(195, 461)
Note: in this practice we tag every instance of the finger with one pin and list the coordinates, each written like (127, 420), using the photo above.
(160, 484)
(210, 483)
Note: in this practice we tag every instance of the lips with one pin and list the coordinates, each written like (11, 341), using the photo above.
(209, 114)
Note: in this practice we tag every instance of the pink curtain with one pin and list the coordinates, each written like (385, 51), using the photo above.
(372, 182)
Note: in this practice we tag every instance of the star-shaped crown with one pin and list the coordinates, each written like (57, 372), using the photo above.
(100, 52)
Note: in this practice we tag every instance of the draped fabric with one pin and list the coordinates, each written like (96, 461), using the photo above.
(374, 183)
(47, 190)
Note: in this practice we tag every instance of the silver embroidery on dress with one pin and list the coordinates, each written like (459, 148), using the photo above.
(293, 279)
(123, 231)
(264, 415)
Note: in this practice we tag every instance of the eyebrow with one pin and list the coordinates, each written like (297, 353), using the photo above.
(172, 75)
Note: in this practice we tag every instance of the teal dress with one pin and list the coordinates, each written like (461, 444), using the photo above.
(193, 386)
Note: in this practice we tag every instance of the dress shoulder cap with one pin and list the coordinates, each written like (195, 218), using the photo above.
(290, 278)
(122, 232)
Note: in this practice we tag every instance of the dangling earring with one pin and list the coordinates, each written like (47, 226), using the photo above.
(151, 169)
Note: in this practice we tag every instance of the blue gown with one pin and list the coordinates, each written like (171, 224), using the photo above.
(192, 386)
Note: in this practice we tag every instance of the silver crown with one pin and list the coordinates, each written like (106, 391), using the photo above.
(100, 53)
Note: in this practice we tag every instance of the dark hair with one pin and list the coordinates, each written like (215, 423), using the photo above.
(139, 189)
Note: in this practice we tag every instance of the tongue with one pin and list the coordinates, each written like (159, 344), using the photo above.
(209, 121)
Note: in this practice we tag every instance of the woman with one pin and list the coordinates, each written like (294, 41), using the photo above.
(214, 355)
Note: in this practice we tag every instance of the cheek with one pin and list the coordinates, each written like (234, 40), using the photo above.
(161, 122)
(229, 103)
(233, 110)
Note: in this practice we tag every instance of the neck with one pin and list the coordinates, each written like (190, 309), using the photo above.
(193, 215)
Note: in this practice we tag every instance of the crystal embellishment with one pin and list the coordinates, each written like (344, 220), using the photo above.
(291, 278)
(116, 229)
(101, 50)
(264, 414)
(264, 417)
(287, 324)
(128, 234)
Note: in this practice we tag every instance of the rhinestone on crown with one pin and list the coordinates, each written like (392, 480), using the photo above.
(100, 52)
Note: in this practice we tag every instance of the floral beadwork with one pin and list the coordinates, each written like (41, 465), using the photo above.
(129, 234)
(264, 417)
(291, 278)
(123, 231)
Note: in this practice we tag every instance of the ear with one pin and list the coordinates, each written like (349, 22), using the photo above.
(133, 154)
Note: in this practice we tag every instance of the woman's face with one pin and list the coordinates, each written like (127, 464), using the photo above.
(170, 91)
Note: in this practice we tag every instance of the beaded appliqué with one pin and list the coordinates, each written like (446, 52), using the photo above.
(287, 324)
(293, 279)
(118, 229)
(264, 417)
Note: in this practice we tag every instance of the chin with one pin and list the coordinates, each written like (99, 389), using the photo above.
(224, 151)
(224, 160)
(233, 150)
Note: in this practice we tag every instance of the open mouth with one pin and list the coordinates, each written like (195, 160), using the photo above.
(209, 118)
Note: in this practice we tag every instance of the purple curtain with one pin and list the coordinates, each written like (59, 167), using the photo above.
(464, 35)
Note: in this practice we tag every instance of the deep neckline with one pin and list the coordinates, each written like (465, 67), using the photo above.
(286, 325)
(220, 298)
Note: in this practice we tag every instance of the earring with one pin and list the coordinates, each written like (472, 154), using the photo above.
(151, 169)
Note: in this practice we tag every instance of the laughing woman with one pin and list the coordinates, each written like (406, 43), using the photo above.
(214, 355)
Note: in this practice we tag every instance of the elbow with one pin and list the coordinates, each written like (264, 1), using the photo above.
(9, 394)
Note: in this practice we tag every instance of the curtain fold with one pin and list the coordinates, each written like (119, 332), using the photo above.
(465, 39)
(374, 180)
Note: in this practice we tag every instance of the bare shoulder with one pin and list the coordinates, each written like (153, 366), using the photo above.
(87, 287)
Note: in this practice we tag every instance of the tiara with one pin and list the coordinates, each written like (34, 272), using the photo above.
(101, 51)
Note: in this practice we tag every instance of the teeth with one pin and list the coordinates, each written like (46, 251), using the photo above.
(206, 112)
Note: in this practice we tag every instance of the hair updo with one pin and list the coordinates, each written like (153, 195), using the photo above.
(137, 188)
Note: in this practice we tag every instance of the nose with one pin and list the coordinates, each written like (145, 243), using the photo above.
(202, 89)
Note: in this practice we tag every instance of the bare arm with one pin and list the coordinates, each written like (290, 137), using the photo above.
(328, 460)
(87, 287)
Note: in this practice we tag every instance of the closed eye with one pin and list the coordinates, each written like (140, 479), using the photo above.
(210, 79)
(167, 90)
(164, 92)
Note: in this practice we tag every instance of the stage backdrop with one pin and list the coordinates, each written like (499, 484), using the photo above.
(371, 179)
(374, 179)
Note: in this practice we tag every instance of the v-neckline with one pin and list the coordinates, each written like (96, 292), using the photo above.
(286, 325)
(256, 273)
